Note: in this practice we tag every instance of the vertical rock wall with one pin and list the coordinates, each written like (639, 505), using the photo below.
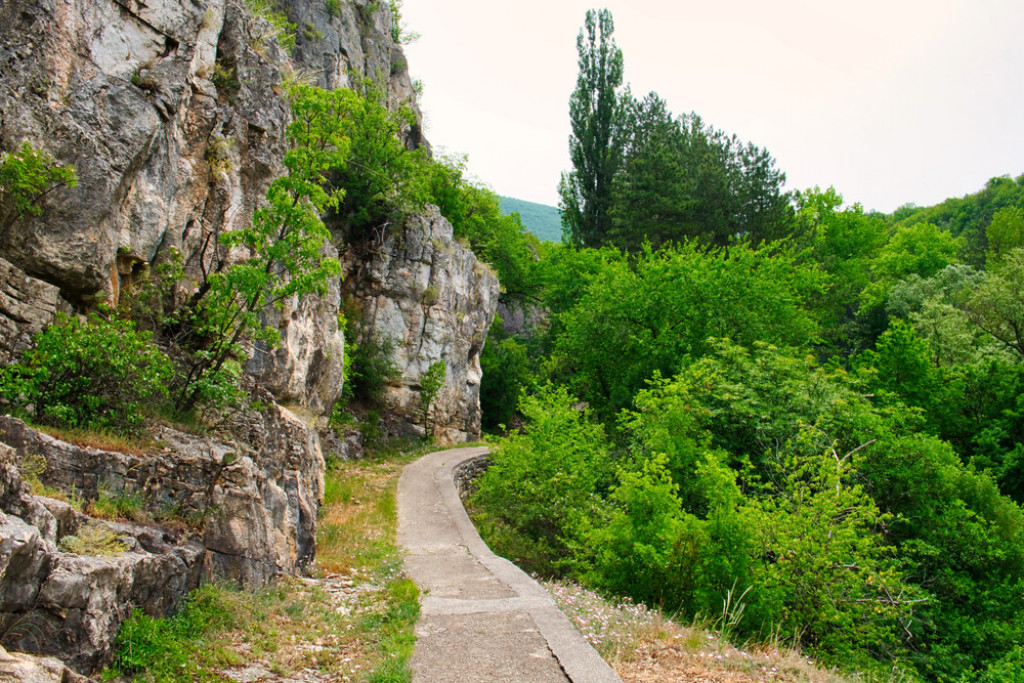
(172, 113)
(435, 301)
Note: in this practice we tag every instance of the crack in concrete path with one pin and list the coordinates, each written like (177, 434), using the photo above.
(483, 619)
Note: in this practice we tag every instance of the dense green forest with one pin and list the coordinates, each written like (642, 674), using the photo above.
(539, 219)
(768, 400)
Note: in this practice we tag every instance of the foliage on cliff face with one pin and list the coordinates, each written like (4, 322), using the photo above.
(283, 248)
(26, 177)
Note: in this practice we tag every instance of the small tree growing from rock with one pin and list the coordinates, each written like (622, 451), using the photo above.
(26, 176)
(284, 245)
(430, 384)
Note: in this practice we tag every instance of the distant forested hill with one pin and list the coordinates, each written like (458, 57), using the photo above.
(540, 219)
(969, 217)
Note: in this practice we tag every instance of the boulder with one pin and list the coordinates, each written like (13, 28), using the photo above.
(69, 600)
(27, 305)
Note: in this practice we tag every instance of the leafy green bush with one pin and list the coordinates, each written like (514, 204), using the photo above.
(94, 374)
(505, 369)
(1009, 669)
(371, 369)
(28, 175)
(754, 472)
(382, 179)
(431, 382)
(650, 315)
(544, 481)
(633, 544)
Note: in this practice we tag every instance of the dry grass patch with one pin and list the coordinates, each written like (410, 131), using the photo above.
(358, 498)
(105, 441)
(645, 646)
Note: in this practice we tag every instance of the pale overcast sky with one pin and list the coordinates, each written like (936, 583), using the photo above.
(890, 101)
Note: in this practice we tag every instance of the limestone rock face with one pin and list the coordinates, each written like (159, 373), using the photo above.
(27, 305)
(430, 296)
(124, 92)
(172, 113)
(254, 500)
(355, 41)
(305, 368)
(28, 669)
(522, 318)
(56, 602)
(244, 510)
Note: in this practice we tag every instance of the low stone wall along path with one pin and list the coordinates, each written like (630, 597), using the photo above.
(483, 619)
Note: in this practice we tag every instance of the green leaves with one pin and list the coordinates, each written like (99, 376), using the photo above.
(544, 481)
(595, 113)
(93, 374)
(431, 382)
(382, 179)
(634, 321)
(28, 175)
(682, 179)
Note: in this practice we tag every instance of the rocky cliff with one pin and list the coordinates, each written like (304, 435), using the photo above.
(434, 301)
(172, 113)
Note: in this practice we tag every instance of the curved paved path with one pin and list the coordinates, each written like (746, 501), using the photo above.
(483, 619)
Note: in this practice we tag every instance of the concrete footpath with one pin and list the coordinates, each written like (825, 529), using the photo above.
(483, 619)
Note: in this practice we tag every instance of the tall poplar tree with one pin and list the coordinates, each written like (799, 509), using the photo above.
(595, 144)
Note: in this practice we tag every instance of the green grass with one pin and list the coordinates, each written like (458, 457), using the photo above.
(95, 540)
(393, 630)
(182, 648)
(112, 505)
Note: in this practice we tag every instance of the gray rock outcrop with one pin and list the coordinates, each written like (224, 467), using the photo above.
(125, 93)
(254, 501)
(66, 601)
(522, 319)
(172, 113)
(244, 510)
(22, 668)
(435, 301)
(27, 305)
(355, 42)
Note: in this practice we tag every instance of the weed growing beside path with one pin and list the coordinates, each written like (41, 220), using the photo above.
(352, 620)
